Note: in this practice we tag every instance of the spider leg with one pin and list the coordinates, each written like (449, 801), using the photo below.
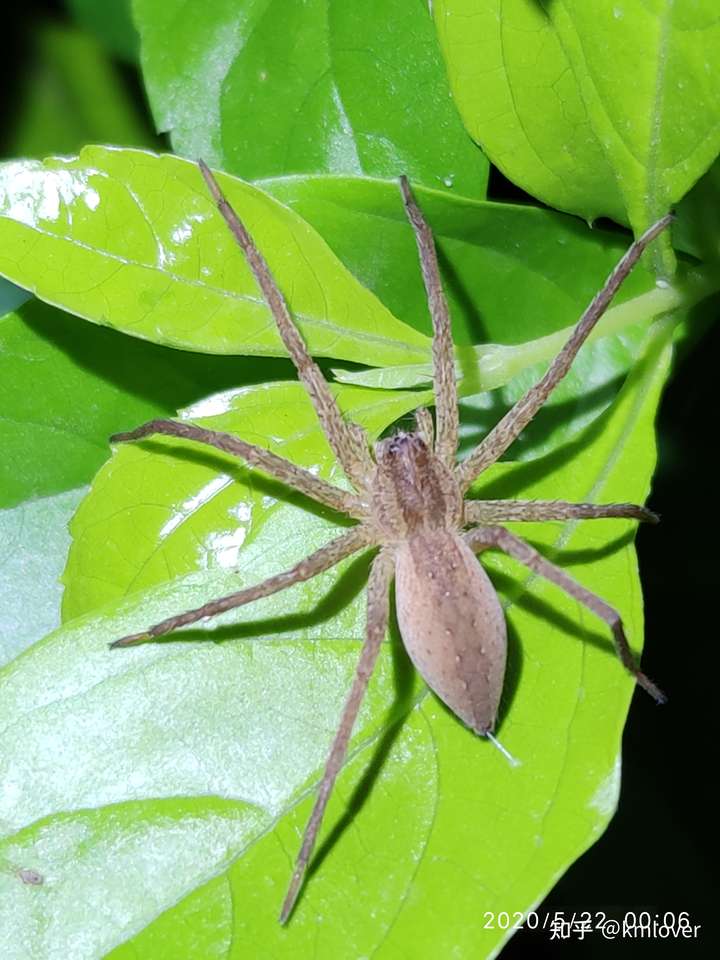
(499, 511)
(317, 562)
(378, 603)
(349, 445)
(424, 426)
(278, 467)
(501, 539)
(446, 404)
(517, 418)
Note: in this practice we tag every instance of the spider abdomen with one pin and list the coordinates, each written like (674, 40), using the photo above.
(452, 624)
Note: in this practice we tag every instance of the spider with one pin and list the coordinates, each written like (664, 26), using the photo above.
(408, 500)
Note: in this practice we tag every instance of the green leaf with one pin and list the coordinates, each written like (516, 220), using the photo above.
(132, 240)
(160, 792)
(62, 395)
(111, 22)
(338, 88)
(606, 108)
(519, 99)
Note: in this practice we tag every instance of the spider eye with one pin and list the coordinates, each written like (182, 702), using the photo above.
(396, 443)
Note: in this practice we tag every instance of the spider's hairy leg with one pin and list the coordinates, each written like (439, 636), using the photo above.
(350, 446)
(317, 562)
(517, 418)
(378, 603)
(289, 473)
(424, 426)
(446, 403)
(501, 511)
(483, 538)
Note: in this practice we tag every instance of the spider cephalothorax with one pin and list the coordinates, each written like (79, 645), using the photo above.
(412, 489)
(408, 501)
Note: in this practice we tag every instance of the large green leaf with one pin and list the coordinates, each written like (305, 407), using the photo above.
(512, 273)
(160, 792)
(604, 108)
(133, 240)
(262, 87)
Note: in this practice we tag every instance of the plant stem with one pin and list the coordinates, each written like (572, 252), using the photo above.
(490, 366)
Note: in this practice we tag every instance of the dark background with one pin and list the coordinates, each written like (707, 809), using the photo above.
(655, 855)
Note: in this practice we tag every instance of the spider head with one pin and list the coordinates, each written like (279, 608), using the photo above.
(402, 446)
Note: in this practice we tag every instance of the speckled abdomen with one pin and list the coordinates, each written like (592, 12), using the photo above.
(452, 624)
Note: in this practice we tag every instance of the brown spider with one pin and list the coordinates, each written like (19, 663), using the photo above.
(408, 499)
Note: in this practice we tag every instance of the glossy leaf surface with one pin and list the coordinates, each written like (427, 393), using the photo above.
(132, 240)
